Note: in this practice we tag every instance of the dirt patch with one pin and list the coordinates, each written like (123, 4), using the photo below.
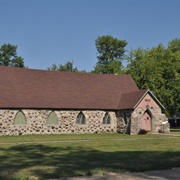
(169, 174)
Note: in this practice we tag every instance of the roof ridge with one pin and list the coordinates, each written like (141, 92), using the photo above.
(53, 71)
(21, 87)
(136, 91)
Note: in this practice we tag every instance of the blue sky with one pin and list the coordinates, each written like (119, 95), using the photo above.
(56, 31)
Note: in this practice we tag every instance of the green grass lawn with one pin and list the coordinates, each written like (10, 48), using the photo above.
(175, 130)
(55, 156)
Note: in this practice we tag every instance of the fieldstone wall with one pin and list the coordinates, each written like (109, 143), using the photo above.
(159, 121)
(37, 122)
(123, 121)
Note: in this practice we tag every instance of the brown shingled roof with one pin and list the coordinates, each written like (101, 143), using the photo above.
(28, 88)
(129, 100)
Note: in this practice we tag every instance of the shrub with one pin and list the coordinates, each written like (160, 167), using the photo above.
(142, 131)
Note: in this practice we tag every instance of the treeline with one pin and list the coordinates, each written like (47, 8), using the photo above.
(157, 69)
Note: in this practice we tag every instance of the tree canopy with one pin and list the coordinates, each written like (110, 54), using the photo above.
(8, 56)
(68, 67)
(110, 52)
(158, 69)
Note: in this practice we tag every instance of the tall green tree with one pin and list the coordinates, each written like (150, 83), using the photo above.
(158, 69)
(68, 67)
(8, 56)
(110, 52)
(174, 51)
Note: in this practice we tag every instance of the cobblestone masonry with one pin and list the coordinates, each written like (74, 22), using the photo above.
(37, 119)
(124, 121)
(159, 121)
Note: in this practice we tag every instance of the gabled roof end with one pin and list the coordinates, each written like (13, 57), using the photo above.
(152, 95)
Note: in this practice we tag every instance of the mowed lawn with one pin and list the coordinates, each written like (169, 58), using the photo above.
(55, 156)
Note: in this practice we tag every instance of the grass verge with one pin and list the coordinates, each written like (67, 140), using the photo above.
(55, 156)
(175, 130)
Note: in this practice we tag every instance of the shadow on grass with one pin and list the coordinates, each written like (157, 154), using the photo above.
(54, 162)
(177, 130)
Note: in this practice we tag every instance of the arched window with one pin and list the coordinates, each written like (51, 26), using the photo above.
(20, 119)
(106, 118)
(52, 119)
(80, 119)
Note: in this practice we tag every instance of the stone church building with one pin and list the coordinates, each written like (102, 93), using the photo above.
(50, 102)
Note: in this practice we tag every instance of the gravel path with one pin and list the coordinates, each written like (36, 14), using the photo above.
(170, 174)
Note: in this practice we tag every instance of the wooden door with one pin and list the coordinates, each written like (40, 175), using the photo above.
(146, 122)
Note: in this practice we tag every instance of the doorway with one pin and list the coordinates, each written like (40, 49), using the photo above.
(147, 121)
